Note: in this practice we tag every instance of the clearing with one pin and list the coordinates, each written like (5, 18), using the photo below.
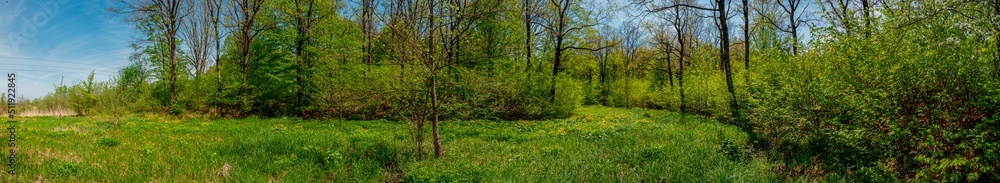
(597, 144)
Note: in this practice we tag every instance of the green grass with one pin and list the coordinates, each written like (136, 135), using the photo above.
(597, 144)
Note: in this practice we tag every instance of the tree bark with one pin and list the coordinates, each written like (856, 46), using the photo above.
(246, 11)
(560, 36)
(746, 40)
(528, 12)
(725, 57)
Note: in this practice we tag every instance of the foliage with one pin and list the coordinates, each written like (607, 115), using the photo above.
(913, 103)
(83, 97)
(909, 94)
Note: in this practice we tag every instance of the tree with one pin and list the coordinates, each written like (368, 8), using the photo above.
(414, 27)
(244, 14)
(529, 9)
(367, 21)
(82, 96)
(606, 37)
(215, 14)
(167, 15)
(746, 38)
(722, 22)
(457, 18)
(683, 23)
(632, 40)
(303, 16)
(794, 11)
(664, 43)
(560, 23)
(198, 34)
(116, 98)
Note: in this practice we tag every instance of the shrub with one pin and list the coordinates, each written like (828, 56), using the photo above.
(911, 103)
(109, 142)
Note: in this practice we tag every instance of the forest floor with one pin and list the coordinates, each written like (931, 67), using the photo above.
(597, 144)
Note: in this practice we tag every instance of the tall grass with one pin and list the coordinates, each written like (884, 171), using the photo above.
(594, 145)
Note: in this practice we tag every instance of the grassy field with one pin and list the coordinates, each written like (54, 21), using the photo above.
(597, 144)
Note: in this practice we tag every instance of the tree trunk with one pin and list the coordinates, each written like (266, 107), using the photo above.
(670, 70)
(435, 103)
(527, 32)
(794, 26)
(438, 150)
(680, 83)
(866, 15)
(555, 68)
(420, 140)
(680, 73)
(215, 36)
(527, 46)
(245, 86)
(725, 57)
(746, 41)
(173, 68)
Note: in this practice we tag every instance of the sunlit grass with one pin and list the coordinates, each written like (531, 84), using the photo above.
(597, 144)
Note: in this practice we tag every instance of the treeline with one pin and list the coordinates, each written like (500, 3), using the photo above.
(884, 90)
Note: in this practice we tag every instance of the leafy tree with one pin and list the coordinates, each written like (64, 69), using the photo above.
(164, 17)
(83, 97)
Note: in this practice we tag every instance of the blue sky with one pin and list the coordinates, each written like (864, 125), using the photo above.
(44, 41)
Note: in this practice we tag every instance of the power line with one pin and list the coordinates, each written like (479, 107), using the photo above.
(55, 72)
(61, 67)
(57, 61)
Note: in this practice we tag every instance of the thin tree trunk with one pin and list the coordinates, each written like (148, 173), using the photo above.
(725, 57)
(866, 15)
(795, 27)
(527, 32)
(670, 70)
(746, 42)
(438, 150)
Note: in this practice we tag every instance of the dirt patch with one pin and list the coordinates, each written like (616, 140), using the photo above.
(36, 113)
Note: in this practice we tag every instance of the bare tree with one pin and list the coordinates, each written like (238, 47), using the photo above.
(794, 12)
(852, 14)
(198, 34)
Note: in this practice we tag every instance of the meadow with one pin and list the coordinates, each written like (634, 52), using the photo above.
(595, 144)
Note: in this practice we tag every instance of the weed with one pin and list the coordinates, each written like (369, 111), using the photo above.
(109, 142)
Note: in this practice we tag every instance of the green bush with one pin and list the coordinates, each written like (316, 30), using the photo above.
(109, 142)
(917, 104)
